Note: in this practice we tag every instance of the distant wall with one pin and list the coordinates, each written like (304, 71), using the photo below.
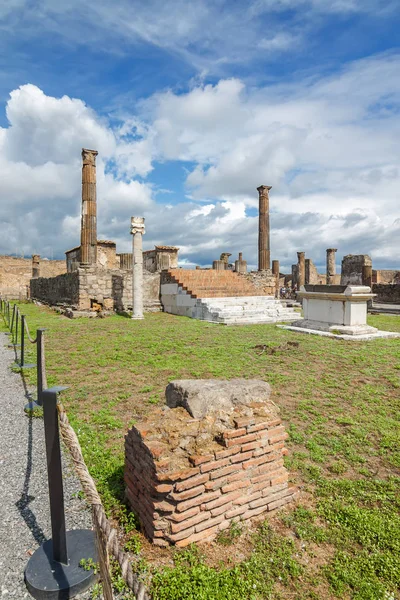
(386, 292)
(386, 276)
(15, 274)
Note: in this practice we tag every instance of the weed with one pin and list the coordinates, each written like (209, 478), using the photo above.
(228, 536)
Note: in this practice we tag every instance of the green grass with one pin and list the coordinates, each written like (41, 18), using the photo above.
(340, 402)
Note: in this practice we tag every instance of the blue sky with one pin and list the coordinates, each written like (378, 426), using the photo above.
(192, 106)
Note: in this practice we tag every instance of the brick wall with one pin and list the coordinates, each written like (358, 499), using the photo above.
(186, 485)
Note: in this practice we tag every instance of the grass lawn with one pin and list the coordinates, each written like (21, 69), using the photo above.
(340, 403)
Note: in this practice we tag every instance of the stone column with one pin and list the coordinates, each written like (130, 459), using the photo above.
(88, 220)
(218, 265)
(367, 275)
(301, 269)
(330, 265)
(137, 230)
(240, 264)
(275, 272)
(35, 265)
(264, 254)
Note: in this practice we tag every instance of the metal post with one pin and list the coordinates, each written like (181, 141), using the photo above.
(21, 364)
(53, 573)
(39, 364)
(12, 323)
(54, 471)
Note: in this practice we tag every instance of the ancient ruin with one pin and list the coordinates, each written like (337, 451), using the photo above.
(215, 455)
(264, 253)
(337, 311)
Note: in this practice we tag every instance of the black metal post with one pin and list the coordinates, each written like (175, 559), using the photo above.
(53, 573)
(22, 340)
(39, 364)
(54, 472)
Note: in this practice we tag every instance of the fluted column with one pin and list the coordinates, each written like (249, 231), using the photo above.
(89, 209)
(301, 270)
(137, 231)
(264, 253)
(330, 265)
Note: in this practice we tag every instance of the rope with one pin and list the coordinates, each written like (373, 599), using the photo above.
(28, 334)
(89, 487)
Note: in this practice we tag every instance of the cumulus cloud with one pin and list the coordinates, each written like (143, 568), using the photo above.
(40, 174)
(328, 146)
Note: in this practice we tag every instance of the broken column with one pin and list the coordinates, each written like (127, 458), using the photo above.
(225, 259)
(218, 265)
(137, 230)
(88, 219)
(35, 265)
(240, 264)
(275, 272)
(330, 265)
(264, 254)
(301, 270)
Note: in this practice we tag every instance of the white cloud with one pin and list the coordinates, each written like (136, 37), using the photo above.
(40, 172)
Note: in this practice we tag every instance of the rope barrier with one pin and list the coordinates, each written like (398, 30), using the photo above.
(108, 533)
(89, 487)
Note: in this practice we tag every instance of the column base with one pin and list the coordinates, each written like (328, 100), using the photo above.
(137, 317)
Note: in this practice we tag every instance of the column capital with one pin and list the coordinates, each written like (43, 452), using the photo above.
(262, 188)
(301, 254)
(89, 157)
(331, 249)
(137, 225)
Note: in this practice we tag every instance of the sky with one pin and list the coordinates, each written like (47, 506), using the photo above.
(192, 106)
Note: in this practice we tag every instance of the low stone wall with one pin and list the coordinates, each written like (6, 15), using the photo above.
(188, 478)
(60, 290)
(386, 292)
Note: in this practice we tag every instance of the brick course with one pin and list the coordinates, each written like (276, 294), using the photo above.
(181, 499)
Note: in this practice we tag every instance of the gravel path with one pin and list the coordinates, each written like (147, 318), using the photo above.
(24, 502)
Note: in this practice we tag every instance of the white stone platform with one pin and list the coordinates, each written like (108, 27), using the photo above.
(343, 336)
(337, 311)
(233, 310)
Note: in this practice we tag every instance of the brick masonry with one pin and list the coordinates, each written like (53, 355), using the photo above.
(186, 480)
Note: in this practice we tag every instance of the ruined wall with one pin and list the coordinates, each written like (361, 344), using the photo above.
(107, 255)
(386, 292)
(160, 259)
(188, 478)
(15, 274)
(385, 276)
(352, 268)
(60, 290)
(264, 281)
(73, 259)
(112, 288)
(312, 272)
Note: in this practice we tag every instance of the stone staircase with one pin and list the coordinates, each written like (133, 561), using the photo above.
(220, 297)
